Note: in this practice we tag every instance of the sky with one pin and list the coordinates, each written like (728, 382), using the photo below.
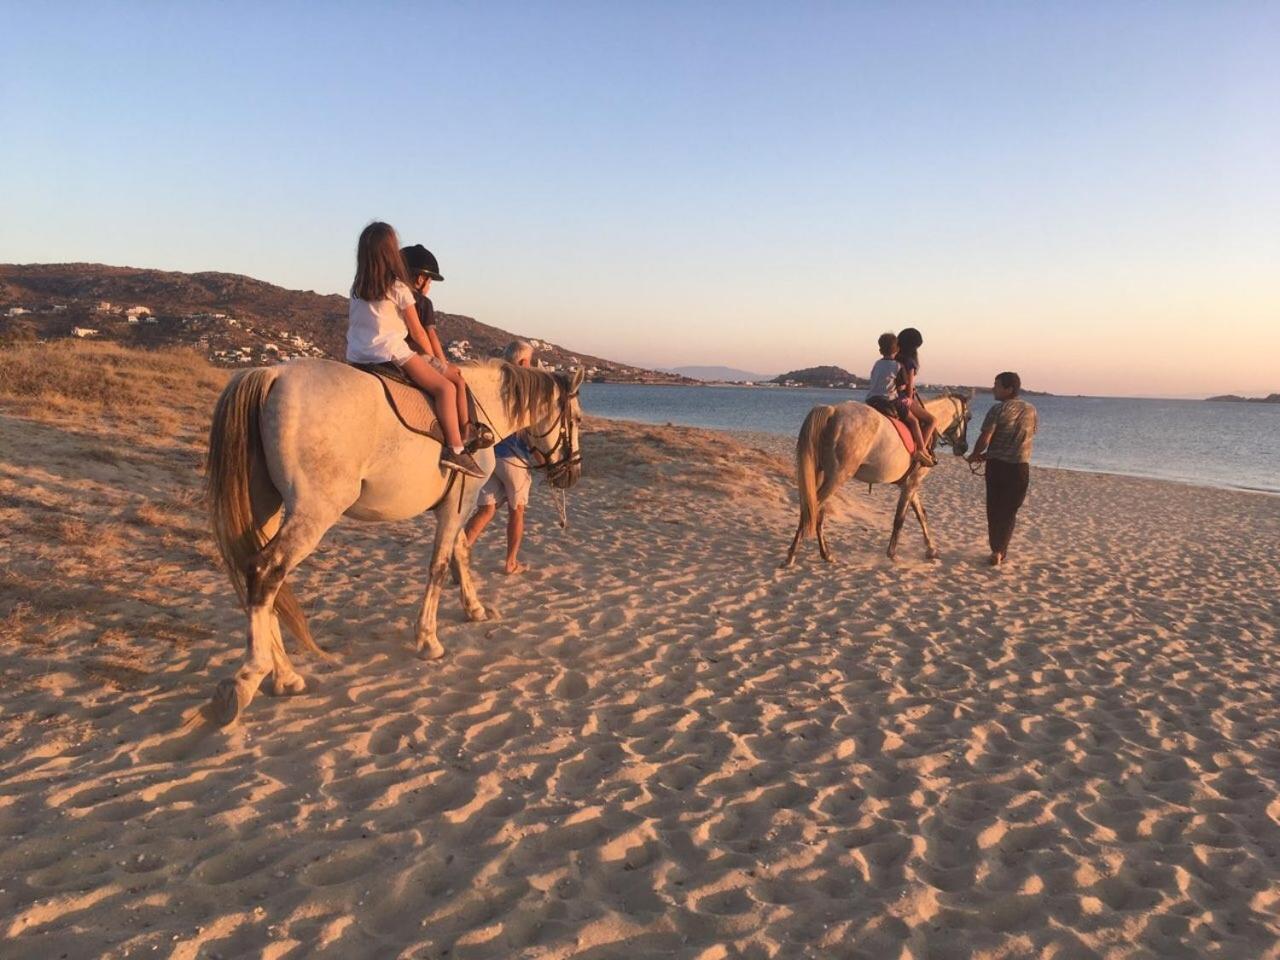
(1087, 193)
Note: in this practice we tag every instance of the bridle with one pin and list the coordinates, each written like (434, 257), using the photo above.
(562, 427)
(955, 433)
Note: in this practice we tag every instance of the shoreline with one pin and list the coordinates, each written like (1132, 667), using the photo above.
(785, 446)
(779, 441)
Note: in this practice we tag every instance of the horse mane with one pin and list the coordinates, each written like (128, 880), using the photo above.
(964, 398)
(526, 391)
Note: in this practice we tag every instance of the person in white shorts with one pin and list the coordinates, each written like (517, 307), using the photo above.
(511, 479)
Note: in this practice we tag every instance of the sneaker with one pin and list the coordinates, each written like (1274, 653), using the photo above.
(463, 462)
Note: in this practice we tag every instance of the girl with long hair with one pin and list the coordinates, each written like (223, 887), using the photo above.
(909, 344)
(380, 317)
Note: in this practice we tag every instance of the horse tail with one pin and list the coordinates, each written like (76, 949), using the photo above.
(235, 451)
(806, 466)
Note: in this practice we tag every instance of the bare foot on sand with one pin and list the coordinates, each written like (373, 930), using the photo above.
(515, 567)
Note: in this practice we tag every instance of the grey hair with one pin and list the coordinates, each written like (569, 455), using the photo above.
(517, 349)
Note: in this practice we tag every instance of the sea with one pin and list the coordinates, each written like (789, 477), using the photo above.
(1214, 444)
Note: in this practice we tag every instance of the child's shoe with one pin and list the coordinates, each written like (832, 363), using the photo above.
(462, 462)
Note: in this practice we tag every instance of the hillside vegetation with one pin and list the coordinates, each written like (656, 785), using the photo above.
(233, 320)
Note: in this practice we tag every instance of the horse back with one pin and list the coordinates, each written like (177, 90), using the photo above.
(328, 433)
(869, 439)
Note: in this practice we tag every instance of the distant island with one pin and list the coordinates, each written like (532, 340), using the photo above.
(1232, 398)
(713, 374)
(828, 376)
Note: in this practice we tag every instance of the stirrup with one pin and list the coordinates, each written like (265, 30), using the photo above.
(481, 437)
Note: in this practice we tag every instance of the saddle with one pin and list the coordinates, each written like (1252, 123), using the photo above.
(413, 406)
(884, 409)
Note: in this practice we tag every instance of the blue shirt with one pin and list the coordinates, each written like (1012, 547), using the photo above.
(513, 448)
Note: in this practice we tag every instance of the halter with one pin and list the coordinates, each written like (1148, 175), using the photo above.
(558, 468)
(555, 468)
(952, 435)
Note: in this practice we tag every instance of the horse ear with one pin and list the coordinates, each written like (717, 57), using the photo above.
(576, 382)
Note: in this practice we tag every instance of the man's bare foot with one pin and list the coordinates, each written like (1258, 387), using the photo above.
(516, 567)
(996, 559)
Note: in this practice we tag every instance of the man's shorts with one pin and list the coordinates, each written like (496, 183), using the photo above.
(510, 483)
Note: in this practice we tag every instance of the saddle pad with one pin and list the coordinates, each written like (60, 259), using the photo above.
(411, 406)
(905, 433)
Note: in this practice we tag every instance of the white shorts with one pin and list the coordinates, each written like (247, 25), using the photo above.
(435, 362)
(510, 483)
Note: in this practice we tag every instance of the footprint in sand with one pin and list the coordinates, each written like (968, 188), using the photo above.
(571, 685)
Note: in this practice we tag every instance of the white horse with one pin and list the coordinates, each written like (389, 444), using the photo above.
(852, 440)
(295, 447)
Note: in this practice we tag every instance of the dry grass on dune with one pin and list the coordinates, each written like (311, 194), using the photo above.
(168, 390)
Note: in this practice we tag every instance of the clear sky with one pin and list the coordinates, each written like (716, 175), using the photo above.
(1088, 193)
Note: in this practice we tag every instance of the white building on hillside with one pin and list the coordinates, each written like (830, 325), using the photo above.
(83, 332)
(18, 311)
(135, 312)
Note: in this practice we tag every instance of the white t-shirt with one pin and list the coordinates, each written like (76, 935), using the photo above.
(376, 330)
(884, 376)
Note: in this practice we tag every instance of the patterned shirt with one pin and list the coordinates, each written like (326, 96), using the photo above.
(1014, 422)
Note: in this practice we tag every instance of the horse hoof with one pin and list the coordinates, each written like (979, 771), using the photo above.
(430, 653)
(477, 613)
(932, 555)
(228, 702)
(292, 688)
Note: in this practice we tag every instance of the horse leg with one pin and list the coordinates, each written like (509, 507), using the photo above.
(448, 526)
(899, 516)
(822, 539)
(461, 566)
(831, 482)
(264, 576)
(791, 551)
(285, 681)
(931, 552)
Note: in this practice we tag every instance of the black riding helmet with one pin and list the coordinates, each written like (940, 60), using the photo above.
(418, 259)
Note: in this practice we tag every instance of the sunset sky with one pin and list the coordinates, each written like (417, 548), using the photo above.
(1088, 193)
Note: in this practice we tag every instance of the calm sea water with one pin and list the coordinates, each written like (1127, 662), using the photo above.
(1212, 444)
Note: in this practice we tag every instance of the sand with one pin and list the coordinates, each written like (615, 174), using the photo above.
(666, 747)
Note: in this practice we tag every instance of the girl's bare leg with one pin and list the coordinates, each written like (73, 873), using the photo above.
(460, 385)
(442, 392)
(927, 422)
(916, 435)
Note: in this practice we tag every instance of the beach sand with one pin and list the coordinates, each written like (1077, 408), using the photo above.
(666, 746)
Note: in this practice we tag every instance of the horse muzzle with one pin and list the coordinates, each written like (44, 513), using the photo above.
(565, 478)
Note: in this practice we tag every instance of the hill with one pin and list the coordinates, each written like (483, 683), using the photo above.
(828, 376)
(1232, 398)
(233, 320)
(729, 374)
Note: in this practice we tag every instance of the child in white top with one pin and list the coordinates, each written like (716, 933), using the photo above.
(381, 315)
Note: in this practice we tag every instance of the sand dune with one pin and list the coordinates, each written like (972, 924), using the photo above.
(666, 747)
